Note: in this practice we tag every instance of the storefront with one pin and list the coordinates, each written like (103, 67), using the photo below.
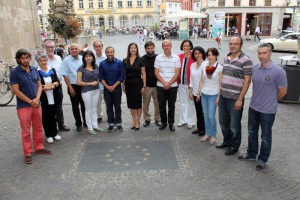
(263, 20)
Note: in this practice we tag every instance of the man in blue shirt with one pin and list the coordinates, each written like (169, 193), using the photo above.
(26, 85)
(111, 75)
(69, 69)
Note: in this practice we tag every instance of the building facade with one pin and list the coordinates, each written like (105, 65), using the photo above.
(272, 16)
(170, 7)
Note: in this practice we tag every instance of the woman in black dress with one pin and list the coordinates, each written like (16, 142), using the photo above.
(134, 84)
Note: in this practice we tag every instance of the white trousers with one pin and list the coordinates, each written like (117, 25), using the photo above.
(99, 107)
(187, 109)
(90, 100)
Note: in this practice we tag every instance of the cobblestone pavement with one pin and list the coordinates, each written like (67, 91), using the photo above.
(148, 164)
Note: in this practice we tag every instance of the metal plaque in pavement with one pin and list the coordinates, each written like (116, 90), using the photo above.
(128, 156)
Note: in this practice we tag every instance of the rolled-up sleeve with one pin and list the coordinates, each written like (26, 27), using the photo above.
(64, 70)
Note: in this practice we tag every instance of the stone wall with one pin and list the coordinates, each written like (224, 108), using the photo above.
(19, 27)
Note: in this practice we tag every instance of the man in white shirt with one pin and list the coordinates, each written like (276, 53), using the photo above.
(145, 34)
(98, 46)
(167, 71)
(257, 31)
(55, 62)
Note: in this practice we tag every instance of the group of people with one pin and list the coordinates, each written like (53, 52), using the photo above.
(201, 82)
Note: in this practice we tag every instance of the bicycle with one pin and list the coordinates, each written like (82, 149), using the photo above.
(6, 94)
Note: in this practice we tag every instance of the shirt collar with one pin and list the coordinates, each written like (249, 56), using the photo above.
(166, 56)
(240, 56)
(21, 69)
(270, 65)
(114, 60)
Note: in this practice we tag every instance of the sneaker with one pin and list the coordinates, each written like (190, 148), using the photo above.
(260, 165)
(212, 140)
(190, 126)
(120, 128)
(245, 157)
(205, 138)
(50, 140)
(110, 128)
(57, 137)
(181, 124)
(43, 151)
(28, 160)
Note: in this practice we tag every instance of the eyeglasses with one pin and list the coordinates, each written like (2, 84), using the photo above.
(235, 44)
(50, 47)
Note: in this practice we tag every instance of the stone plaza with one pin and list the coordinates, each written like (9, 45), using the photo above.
(150, 164)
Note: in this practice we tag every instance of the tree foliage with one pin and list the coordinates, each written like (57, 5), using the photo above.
(68, 29)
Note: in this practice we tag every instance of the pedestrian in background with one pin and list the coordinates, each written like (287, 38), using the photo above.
(151, 81)
(134, 84)
(219, 38)
(187, 110)
(26, 85)
(257, 32)
(210, 87)
(111, 76)
(198, 54)
(269, 86)
(50, 97)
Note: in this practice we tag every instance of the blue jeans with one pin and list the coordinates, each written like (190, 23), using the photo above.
(266, 122)
(113, 106)
(230, 122)
(209, 111)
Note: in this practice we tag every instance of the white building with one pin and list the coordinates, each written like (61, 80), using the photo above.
(173, 6)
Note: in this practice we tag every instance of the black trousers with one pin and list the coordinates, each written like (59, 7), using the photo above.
(199, 114)
(164, 97)
(48, 119)
(76, 100)
(256, 35)
(59, 111)
(113, 101)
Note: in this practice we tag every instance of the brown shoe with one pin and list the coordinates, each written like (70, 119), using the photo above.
(43, 151)
(63, 128)
(28, 160)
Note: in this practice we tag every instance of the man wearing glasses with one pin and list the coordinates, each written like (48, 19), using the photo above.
(237, 72)
(55, 62)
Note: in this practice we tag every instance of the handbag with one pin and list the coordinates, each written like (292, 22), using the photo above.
(217, 39)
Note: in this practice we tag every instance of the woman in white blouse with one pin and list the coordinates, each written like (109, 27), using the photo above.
(198, 54)
(210, 86)
(50, 97)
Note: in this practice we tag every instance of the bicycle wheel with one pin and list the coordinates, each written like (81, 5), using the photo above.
(6, 95)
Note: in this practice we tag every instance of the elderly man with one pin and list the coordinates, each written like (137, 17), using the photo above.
(269, 86)
(55, 62)
(167, 71)
(69, 72)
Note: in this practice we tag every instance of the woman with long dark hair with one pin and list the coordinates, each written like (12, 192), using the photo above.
(135, 83)
(88, 79)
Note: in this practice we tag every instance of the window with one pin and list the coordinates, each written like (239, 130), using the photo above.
(81, 23)
(129, 3)
(148, 21)
(92, 22)
(110, 4)
(149, 3)
(267, 2)
(175, 5)
(80, 4)
(123, 21)
(170, 5)
(222, 3)
(91, 3)
(237, 2)
(100, 3)
(197, 5)
(135, 21)
(252, 3)
(139, 3)
(120, 4)
(163, 11)
(110, 22)
(101, 21)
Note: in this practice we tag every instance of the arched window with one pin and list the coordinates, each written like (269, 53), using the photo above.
(123, 21)
(110, 22)
(80, 20)
(148, 21)
(92, 22)
(135, 21)
(101, 21)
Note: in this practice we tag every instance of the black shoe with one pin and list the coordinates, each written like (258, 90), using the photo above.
(245, 157)
(260, 165)
(99, 120)
(157, 123)
(133, 127)
(63, 128)
(230, 151)
(110, 129)
(84, 125)
(79, 128)
(221, 146)
(163, 126)
(171, 127)
(201, 133)
(146, 123)
(137, 128)
(196, 132)
(120, 128)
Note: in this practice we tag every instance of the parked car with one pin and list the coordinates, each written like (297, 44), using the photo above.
(285, 43)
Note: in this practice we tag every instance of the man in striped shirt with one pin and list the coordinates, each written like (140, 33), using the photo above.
(237, 71)
(167, 71)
